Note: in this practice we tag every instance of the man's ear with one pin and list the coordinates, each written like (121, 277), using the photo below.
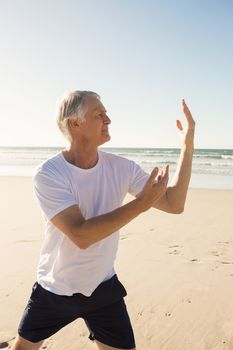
(73, 123)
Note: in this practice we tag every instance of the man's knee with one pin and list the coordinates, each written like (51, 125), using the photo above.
(102, 346)
(23, 344)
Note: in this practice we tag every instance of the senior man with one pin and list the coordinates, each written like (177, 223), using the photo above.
(80, 191)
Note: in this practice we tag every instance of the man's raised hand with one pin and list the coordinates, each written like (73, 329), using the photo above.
(187, 133)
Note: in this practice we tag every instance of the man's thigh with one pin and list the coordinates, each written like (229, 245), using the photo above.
(110, 326)
(45, 314)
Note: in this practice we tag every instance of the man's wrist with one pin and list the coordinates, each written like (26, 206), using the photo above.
(188, 147)
(140, 205)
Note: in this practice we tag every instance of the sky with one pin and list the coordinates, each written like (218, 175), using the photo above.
(142, 57)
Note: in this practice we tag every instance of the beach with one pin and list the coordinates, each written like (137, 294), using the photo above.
(177, 269)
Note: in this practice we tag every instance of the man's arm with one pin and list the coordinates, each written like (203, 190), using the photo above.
(84, 233)
(174, 198)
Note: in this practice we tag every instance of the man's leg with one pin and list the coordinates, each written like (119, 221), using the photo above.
(110, 327)
(45, 314)
(23, 344)
(102, 346)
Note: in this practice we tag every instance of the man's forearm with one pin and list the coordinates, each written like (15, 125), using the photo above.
(177, 191)
(85, 232)
(100, 227)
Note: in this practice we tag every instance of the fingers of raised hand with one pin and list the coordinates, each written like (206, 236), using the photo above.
(187, 114)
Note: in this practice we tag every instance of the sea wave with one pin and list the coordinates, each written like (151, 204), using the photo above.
(204, 162)
(227, 157)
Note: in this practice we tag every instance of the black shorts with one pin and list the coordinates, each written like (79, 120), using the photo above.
(104, 312)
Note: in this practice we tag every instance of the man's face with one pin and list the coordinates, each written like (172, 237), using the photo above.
(95, 128)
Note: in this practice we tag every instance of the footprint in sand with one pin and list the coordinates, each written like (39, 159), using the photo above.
(6, 344)
(168, 314)
(175, 251)
(215, 253)
(186, 300)
(224, 242)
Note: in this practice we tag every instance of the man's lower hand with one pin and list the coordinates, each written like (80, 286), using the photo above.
(154, 188)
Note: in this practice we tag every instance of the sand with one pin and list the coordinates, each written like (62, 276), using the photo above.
(177, 269)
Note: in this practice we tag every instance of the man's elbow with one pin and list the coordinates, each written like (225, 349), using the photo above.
(177, 210)
(79, 239)
(82, 246)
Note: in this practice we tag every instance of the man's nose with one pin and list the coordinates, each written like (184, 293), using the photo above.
(107, 120)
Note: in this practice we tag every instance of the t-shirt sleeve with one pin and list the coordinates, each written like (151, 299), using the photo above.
(52, 193)
(138, 178)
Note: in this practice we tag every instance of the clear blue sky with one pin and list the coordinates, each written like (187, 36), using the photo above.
(142, 57)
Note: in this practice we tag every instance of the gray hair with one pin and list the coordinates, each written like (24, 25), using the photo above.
(72, 106)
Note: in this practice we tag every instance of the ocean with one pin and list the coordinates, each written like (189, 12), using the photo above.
(212, 168)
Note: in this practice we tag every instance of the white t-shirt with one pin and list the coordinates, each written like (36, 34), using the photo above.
(64, 268)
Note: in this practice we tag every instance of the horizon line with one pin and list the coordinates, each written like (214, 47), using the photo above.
(122, 147)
